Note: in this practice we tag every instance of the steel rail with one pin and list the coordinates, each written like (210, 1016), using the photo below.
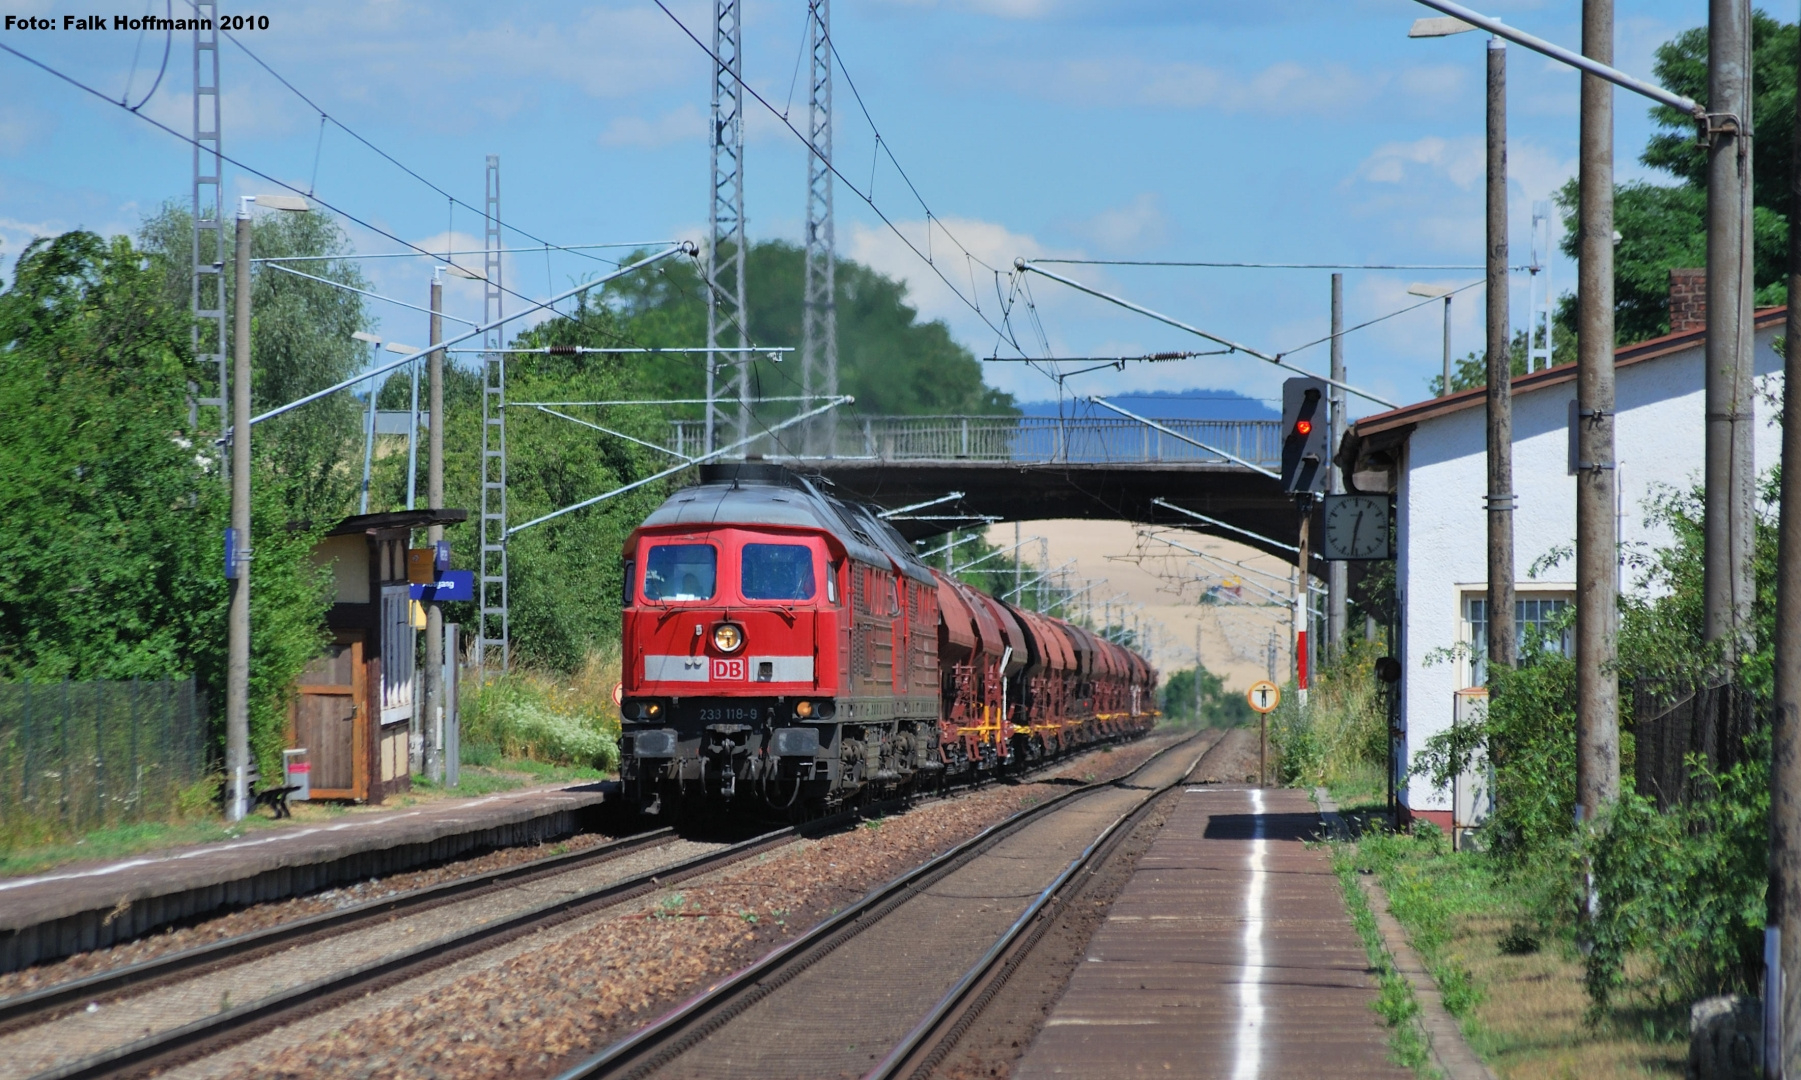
(666, 1038)
(926, 1046)
(27, 1010)
(213, 1033)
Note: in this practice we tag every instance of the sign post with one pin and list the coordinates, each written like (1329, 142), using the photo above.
(1263, 696)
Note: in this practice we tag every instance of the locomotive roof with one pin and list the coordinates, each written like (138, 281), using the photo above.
(755, 493)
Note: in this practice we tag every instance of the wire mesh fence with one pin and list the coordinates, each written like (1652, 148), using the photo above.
(85, 755)
(1711, 722)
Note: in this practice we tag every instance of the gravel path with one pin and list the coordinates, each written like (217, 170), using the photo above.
(528, 1009)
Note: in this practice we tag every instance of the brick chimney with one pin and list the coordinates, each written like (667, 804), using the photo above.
(1688, 300)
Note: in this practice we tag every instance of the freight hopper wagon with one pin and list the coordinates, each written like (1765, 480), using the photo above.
(785, 650)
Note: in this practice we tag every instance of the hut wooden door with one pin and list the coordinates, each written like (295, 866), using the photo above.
(325, 718)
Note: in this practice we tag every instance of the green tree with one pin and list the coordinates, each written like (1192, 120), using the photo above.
(110, 564)
(300, 342)
(889, 360)
(1663, 227)
(563, 575)
(1219, 707)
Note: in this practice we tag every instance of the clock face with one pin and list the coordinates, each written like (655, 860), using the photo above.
(1356, 527)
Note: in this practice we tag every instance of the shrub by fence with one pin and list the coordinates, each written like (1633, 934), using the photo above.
(83, 755)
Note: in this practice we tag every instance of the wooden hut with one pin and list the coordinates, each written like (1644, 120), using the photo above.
(355, 706)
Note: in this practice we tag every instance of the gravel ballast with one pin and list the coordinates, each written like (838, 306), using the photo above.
(535, 1010)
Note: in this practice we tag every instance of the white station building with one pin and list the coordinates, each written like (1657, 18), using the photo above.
(1431, 456)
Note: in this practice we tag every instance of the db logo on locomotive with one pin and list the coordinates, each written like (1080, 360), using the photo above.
(731, 670)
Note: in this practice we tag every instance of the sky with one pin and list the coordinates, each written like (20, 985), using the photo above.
(1204, 130)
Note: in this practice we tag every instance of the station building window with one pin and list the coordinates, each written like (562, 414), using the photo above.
(1537, 616)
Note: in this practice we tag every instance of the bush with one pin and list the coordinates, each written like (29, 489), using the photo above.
(542, 716)
(1684, 887)
(1342, 733)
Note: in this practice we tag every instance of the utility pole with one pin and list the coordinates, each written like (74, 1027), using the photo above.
(1501, 644)
(819, 311)
(1729, 475)
(1597, 553)
(237, 663)
(1782, 1010)
(1337, 571)
(1197, 671)
(434, 500)
(726, 311)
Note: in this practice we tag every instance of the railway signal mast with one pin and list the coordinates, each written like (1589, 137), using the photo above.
(491, 639)
(727, 315)
(819, 314)
(207, 286)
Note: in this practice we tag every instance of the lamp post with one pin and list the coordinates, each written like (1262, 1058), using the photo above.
(237, 536)
(1431, 291)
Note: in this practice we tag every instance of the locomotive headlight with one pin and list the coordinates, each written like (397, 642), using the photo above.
(803, 709)
(727, 637)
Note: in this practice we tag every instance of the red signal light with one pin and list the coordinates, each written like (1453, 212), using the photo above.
(1303, 427)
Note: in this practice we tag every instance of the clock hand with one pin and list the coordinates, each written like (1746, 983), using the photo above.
(1356, 527)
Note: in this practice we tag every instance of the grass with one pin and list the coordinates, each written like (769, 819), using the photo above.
(123, 841)
(1516, 992)
(44, 852)
(1395, 1002)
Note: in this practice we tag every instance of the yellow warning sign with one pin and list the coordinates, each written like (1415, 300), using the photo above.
(1264, 696)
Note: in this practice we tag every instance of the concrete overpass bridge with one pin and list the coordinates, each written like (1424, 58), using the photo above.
(1036, 468)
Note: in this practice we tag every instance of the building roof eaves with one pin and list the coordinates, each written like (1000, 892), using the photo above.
(1637, 352)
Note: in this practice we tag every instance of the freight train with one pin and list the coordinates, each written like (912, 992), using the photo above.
(786, 651)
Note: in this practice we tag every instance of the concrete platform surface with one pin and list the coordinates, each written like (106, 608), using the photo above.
(85, 906)
(1228, 954)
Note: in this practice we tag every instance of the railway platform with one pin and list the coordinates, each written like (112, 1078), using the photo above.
(1228, 954)
(87, 906)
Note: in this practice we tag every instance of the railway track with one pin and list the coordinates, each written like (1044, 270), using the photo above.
(187, 1005)
(186, 999)
(885, 987)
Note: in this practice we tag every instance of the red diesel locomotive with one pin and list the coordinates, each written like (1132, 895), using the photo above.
(788, 648)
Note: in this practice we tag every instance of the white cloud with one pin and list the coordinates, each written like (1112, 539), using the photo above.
(1006, 9)
(678, 125)
(1461, 160)
(1138, 223)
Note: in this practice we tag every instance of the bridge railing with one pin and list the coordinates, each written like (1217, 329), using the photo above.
(1026, 440)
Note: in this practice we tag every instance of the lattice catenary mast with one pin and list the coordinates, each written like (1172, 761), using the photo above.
(727, 316)
(492, 635)
(208, 279)
(819, 313)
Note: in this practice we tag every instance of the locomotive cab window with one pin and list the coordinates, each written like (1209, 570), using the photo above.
(777, 572)
(625, 587)
(831, 581)
(681, 572)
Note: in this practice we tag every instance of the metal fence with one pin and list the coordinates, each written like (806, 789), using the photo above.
(1027, 440)
(1713, 722)
(90, 754)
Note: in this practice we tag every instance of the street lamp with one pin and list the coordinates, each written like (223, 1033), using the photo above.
(237, 537)
(1434, 291)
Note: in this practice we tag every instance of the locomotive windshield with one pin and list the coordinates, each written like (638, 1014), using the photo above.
(777, 572)
(681, 572)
